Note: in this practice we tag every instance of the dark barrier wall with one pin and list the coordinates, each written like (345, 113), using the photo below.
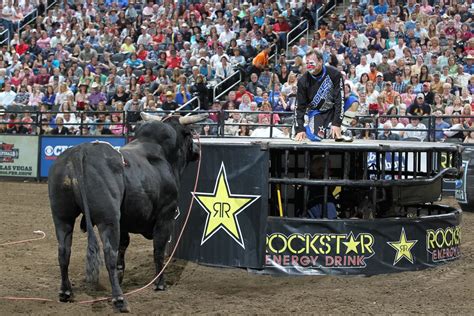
(298, 246)
(228, 219)
(52, 146)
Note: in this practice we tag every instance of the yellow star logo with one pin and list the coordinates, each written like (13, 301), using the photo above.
(351, 244)
(403, 247)
(222, 208)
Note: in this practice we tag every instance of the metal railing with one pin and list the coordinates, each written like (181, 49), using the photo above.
(5, 37)
(299, 28)
(191, 101)
(220, 120)
(228, 81)
(323, 10)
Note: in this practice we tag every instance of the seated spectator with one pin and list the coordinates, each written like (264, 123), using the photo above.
(223, 69)
(7, 96)
(101, 129)
(254, 84)
(17, 128)
(22, 97)
(133, 62)
(116, 126)
(415, 130)
(60, 129)
(455, 131)
(170, 103)
(387, 133)
(419, 107)
(440, 126)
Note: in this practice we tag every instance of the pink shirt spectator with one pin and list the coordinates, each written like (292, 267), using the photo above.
(43, 43)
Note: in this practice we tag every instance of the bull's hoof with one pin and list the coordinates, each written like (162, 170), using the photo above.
(120, 305)
(160, 287)
(160, 284)
(65, 296)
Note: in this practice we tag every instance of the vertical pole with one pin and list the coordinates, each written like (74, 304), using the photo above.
(326, 188)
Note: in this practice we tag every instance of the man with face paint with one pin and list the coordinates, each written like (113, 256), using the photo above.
(321, 96)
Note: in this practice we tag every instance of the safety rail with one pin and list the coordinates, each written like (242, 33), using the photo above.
(299, 28)
(5, 37)
(220, 117)
(324, 9)
(226, 81)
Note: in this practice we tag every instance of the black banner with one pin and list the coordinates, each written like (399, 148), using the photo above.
(228, 220)
(364, 247)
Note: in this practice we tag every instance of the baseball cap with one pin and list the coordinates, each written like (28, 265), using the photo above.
(373, 64)
(379, 74)
(420, 95)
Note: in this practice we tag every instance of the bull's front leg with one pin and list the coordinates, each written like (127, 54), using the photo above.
(161, 235)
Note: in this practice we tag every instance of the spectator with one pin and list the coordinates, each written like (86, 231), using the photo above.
(387, 133)
(169, 104)
(415, 130)
(7, 96)
(17, 128)
(60, 129)
(419, 107)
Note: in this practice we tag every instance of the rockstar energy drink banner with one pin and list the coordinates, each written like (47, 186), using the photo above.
(301, 246)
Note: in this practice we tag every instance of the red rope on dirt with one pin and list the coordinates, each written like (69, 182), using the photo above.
(175, 246)
(37, 232)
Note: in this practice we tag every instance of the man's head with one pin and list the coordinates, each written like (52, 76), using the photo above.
(420, 98)
(415, 120)
(314, 62)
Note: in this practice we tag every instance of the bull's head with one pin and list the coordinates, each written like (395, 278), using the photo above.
(184, 137)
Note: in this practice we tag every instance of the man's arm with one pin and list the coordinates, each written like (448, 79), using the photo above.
(338, 97)
(302, 105)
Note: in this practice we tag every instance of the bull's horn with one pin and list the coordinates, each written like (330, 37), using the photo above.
(149, 117)
(186, 120)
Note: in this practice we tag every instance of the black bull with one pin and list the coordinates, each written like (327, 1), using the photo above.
(131, 191)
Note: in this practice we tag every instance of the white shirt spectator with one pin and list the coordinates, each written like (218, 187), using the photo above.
(7, 97)
(377, 58)
(360, 69)
(399, 50)
(462, 81)
(226, 36)
(362, 42)
(145, 39)
(223, 72)
(421, 134)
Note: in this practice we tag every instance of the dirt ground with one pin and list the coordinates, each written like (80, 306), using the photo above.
(31, 270)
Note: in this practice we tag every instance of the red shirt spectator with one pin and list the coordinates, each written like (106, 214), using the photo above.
(281, 25)
(241, 92)
(173, 61)
(21, 48)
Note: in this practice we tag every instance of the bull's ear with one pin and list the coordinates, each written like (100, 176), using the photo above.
(149, 117)
(186, 120)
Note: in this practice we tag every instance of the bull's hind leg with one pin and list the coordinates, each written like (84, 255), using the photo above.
(64, 230)
(124, 242)
(161, 236)
(110, 236)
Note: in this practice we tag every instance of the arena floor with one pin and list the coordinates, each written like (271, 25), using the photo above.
(31, 270)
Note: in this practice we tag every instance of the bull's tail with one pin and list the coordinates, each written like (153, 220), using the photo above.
(93, 250)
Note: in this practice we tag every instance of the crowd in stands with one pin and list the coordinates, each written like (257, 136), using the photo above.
(411, 60)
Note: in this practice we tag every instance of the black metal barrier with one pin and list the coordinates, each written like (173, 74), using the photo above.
(250, 192)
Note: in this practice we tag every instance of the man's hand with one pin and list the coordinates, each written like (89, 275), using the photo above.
(300, 136)
(336, 132)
